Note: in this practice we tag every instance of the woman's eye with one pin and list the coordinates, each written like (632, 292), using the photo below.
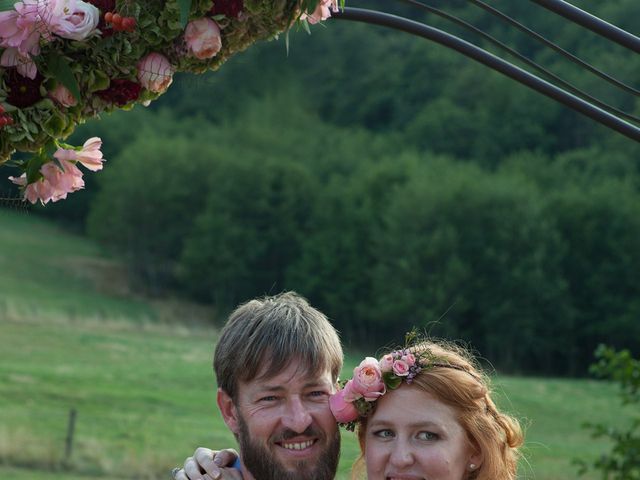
(428, 436)
(383, 433)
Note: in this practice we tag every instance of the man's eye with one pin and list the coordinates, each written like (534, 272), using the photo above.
(385, 433)
(318, 393)
(268, 398)
(430, 436)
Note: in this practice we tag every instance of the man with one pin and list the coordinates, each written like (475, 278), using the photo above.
(276, 363)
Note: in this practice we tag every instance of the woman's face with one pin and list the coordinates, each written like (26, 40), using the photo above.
(414, 436)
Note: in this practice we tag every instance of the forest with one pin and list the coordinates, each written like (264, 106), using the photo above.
(394, 183)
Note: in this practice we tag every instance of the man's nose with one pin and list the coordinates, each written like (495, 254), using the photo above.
(297, 417)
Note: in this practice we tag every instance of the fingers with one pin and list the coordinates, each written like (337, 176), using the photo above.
(225, 458)
(230, 474)
(195, 471)
(208, 464)
(178, 474)
(204, 460)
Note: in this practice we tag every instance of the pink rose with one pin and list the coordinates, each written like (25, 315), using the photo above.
(203, 39)
(89, 156)
(322, 12)
(400, 368)
(409, 358)
(73, 19)
(343, 410)
(155, 73)
(386, 363)
(367, 379)
(63, 96)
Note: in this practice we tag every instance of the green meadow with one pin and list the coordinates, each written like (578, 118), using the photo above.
(76, 335)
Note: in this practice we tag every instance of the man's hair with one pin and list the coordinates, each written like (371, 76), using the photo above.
(264, 335)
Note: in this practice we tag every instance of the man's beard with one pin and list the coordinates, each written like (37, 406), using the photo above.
(263, 464)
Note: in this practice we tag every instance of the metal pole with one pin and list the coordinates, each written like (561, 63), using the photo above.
(492, 61)
(592, 22)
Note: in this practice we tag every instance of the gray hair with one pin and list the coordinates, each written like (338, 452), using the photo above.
(266, 334)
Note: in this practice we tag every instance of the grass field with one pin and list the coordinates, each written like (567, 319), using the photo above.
(74, 335)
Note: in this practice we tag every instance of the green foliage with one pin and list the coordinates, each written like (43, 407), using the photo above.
(248, 232)
(622, 462)
(147, 202)
(471, 255)
(395, 183)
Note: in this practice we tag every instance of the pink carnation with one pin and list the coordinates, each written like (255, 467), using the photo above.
(203, 39)
(367, 380)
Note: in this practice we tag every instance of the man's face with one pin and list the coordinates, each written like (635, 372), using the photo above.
(285, 428)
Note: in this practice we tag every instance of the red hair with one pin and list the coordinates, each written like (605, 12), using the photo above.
(456, 380)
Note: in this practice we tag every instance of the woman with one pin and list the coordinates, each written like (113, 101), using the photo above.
(426, 412)
(422, 412)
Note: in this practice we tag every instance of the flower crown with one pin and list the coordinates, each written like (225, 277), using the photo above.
(373, 378)
(64, 61)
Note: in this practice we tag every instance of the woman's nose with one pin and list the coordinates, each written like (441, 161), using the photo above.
(402, 454)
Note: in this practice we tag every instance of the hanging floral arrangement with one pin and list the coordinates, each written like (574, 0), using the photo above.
(65, 61)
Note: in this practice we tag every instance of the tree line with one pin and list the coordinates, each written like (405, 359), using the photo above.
(393, 183)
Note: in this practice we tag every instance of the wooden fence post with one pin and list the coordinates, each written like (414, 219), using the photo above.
(70, 430)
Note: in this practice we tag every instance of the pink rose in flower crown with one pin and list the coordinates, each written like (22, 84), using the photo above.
(386, 363)
(63, 96)
(203, 39)
(400, 368)
(74, 19)
(367, 380)
(342, 406)
(409, 358)
(155, 73)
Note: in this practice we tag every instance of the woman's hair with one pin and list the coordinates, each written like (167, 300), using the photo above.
(455, 379)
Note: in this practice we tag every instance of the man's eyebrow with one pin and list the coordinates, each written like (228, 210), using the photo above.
(271, 388)
(278, 388)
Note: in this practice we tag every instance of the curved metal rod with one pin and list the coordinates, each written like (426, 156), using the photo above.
(569, 56)
(547, 73)
(492, 61)
(592, 22)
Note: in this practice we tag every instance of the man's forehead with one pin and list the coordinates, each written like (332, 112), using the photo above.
(298, 374)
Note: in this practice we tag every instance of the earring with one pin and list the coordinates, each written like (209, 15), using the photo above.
(472, 467)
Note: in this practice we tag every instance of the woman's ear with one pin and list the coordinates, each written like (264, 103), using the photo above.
(475, 459)
(228, 410)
